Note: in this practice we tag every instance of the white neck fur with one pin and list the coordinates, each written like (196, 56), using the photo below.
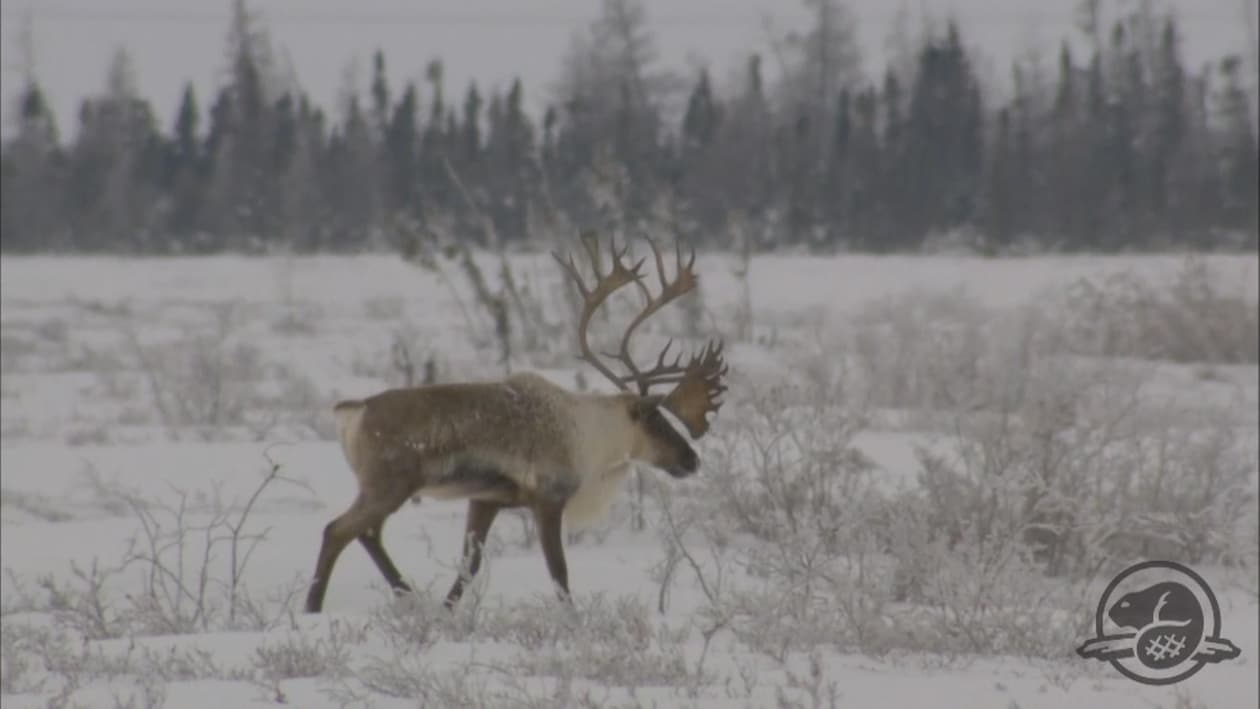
(604, 439)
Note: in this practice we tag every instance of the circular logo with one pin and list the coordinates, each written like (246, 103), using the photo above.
(1158, 622)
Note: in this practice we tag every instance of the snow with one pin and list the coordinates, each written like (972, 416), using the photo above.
(80, 429)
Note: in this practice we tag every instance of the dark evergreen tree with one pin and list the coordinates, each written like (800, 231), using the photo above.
(236, 209)
(1065, 154)
(32, 174)
(837, 186)
(1026, 172)
(114, 168)
(867, 207)
(696, 177)
(1117, 155)
(1001, 190)
(511, 172)
(1166, 200)
(744, 160)
(350, 175)
(468, 168)
(438, 146)
(401, 158)
(700, 121)
(470, 128)
(186, 170)
(1238, 155)
(380, 95)
(943, 155)
(898, 217)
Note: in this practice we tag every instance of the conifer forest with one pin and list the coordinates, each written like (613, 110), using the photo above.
(1123, 147)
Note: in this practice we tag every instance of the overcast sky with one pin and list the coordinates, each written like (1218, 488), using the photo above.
(173, 41)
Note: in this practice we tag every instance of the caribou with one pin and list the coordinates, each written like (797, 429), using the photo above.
(523, 441)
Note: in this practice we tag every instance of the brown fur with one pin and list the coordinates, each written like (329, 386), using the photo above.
(524, 441)
(520, 442)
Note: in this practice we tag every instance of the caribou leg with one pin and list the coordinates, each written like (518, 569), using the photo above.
(481, 514)
(371, 541)
(549, 517)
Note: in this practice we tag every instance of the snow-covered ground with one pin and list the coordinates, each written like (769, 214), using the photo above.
(145, 401)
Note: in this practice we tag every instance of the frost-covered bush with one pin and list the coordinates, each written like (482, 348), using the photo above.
(182, 572)
(1044, 472)
(1197, 317)
(780, 536)
(212, 384)
(599, 641)
(304, 654)
(917, 350)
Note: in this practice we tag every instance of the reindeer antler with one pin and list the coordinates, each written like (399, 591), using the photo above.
(698, 383)
(698, 390)
(618, 276)
(684, 282)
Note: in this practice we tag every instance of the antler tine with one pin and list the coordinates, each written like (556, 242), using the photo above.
(699, 389)
(618, 276)
(660, 359)
(684, 281)
(678, 261)
(571, 268)
(712, 365)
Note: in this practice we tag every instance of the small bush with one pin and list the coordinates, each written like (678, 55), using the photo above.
(1193, 319)
(1048, 472)
(299, 654)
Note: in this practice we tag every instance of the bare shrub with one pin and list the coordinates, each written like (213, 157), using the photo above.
(605, 641)
(34, 504)
(966, 597)
(16, 350)
(184, 586)
(1023, 466)
(511, 313)
(809, 687)
(1082, 469)
(915, 350)
(614, 642)
(1052, 472)
(18, 673)
(416, 621)
(85, 607)
(388, 308)
(298, 318)
(174, 664)
(213, 383)
(785, 511)
(410, 676)
(1195, 318)
(202, 380)
(146, 694)
(299, 654)
(58, 662)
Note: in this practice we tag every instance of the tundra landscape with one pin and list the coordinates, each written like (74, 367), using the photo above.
(313, 398)
(923, 474)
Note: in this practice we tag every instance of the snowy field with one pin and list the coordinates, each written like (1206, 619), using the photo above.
(925, 472)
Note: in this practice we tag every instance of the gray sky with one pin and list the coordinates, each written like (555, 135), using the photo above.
(490, 40)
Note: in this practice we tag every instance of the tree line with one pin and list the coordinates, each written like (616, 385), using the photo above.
(1125, 148)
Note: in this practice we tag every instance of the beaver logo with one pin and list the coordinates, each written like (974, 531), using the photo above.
(1173, 619)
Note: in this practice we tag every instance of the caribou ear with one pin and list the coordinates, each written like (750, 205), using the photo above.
(641, 406)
